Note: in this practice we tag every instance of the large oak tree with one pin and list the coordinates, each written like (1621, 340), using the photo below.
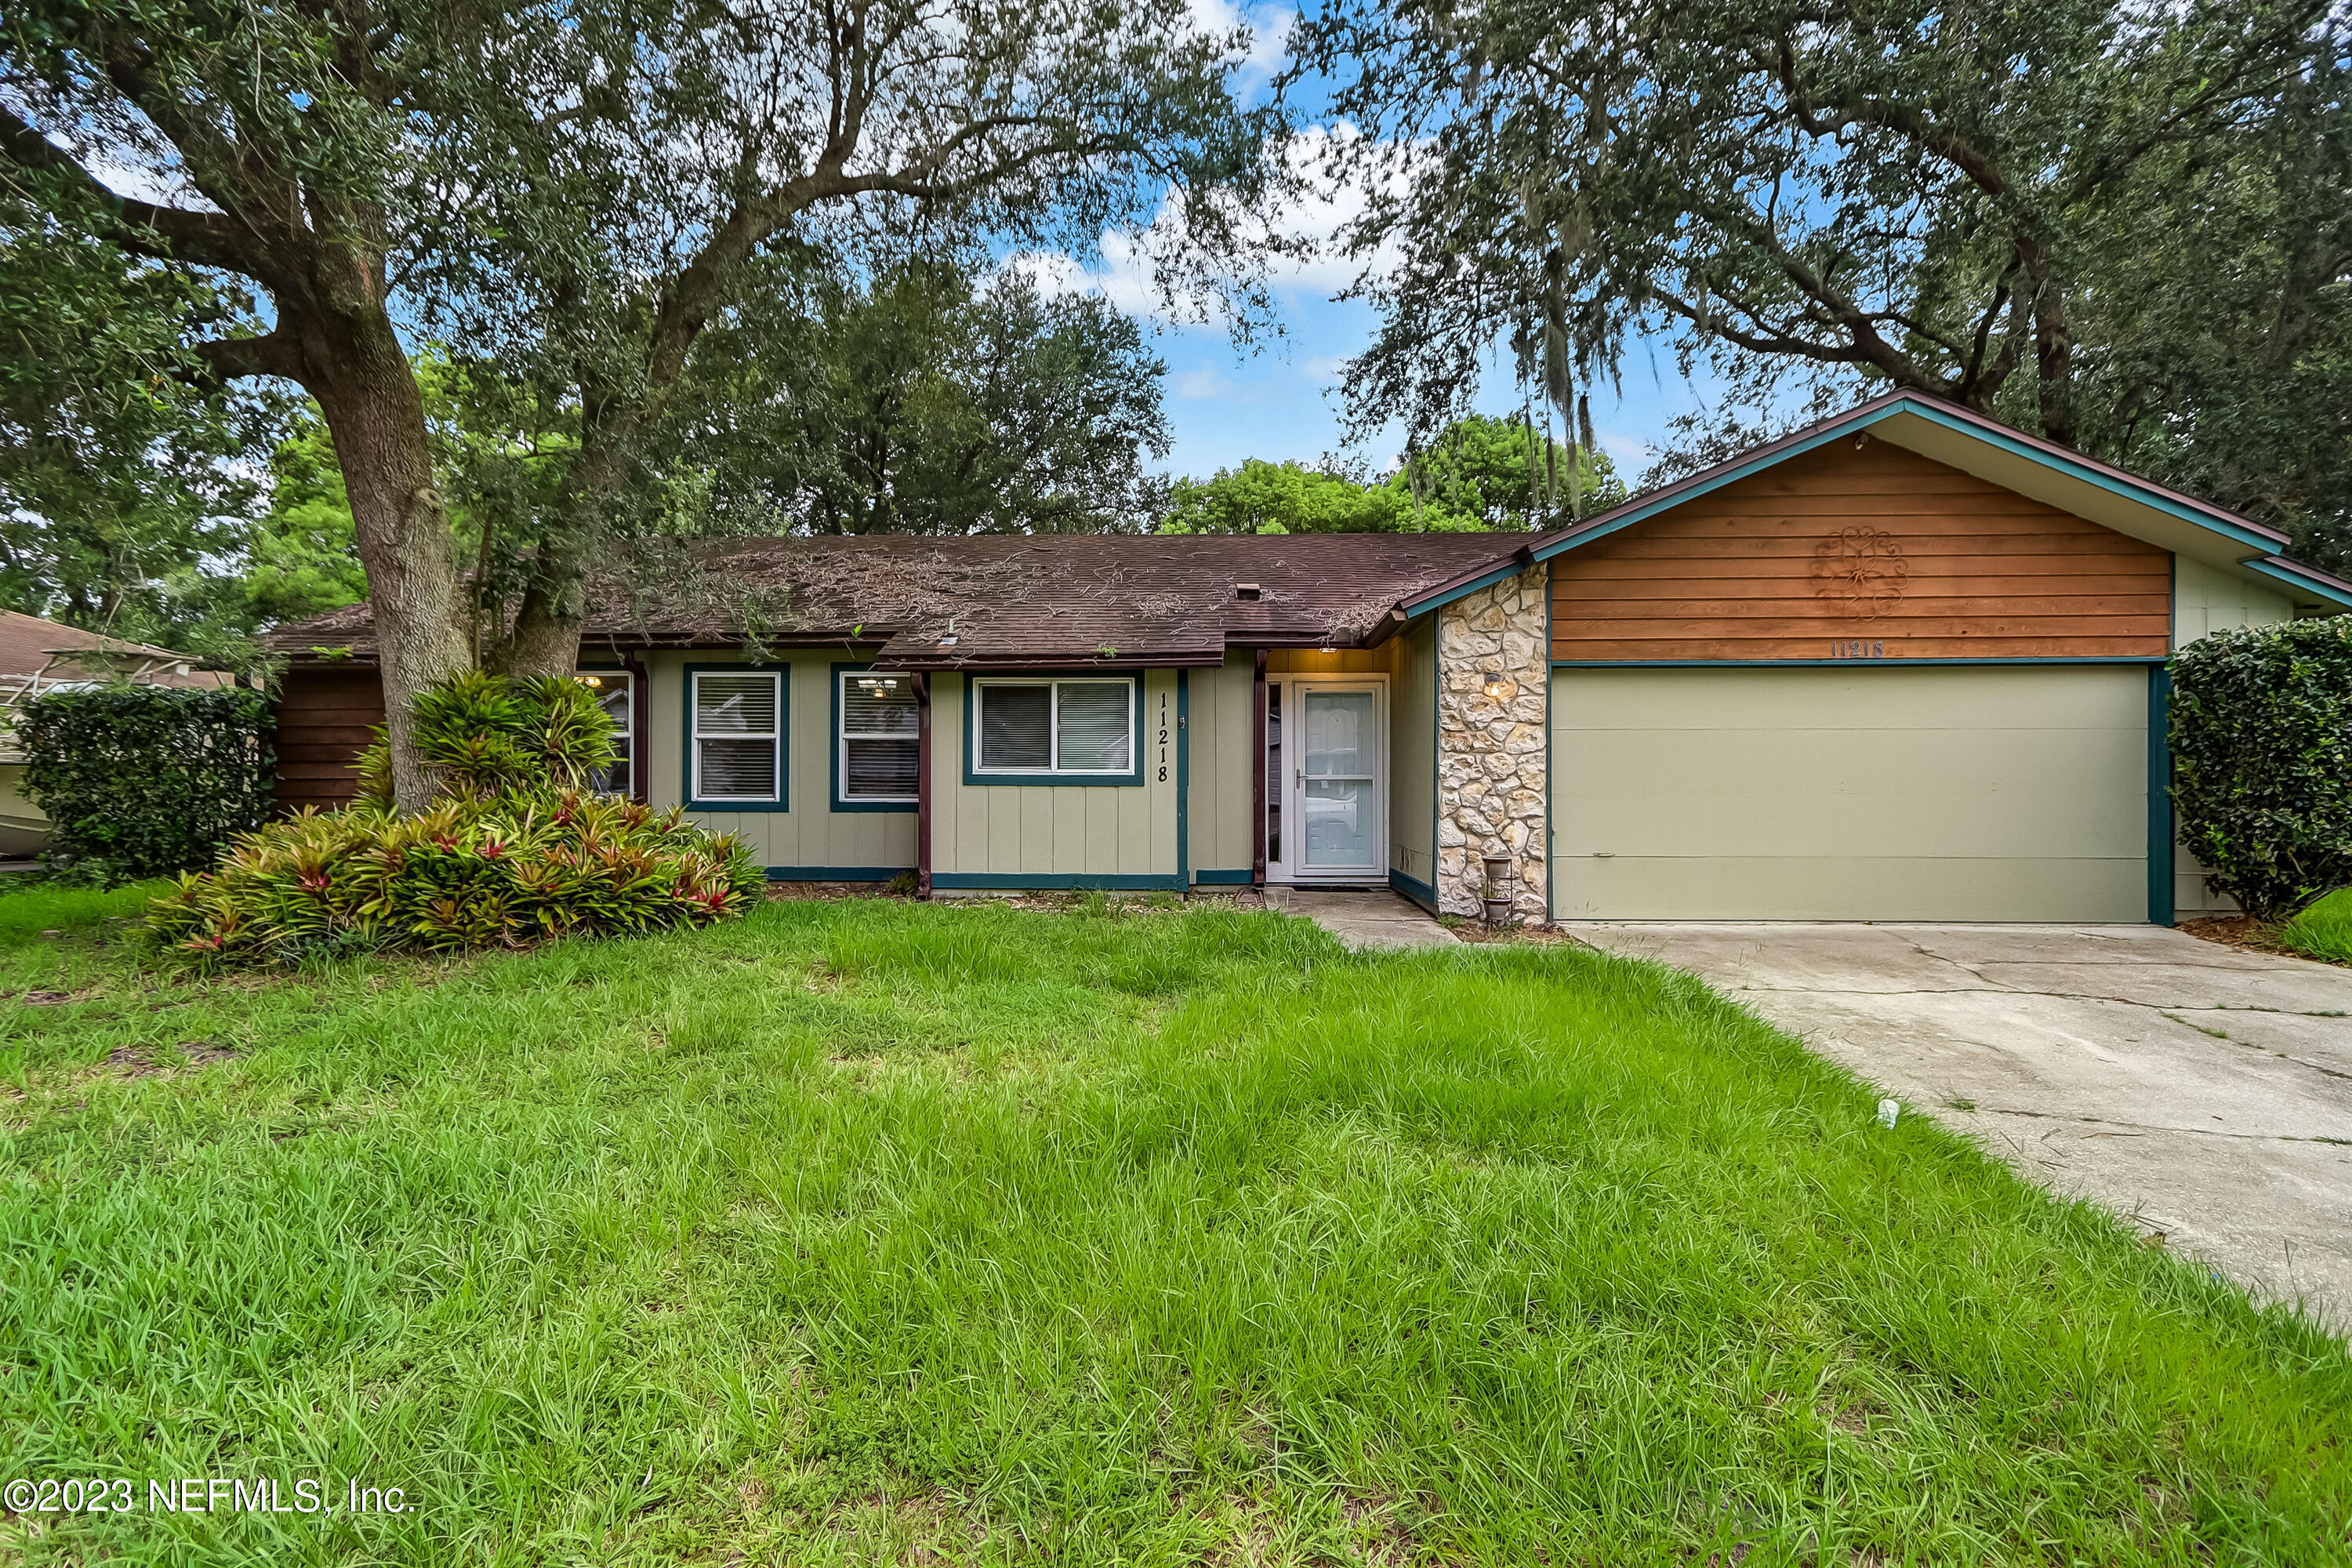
(2126, 227)
(575, 190)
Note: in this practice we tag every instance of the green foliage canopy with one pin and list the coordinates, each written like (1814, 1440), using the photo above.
(2128, 228)
(916, 402)
(1482, 473)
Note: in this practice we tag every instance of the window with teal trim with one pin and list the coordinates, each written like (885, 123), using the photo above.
(738, 736)
(877, 738)
(1075, 728)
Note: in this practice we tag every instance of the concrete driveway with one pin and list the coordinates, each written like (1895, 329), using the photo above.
(2203, 1092)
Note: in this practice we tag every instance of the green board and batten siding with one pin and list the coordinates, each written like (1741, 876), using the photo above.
(1012, 835)
(1413, 770)
(1218, 801)
(810, 841)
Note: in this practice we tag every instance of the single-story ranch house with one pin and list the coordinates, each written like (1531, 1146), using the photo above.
(1904, 664)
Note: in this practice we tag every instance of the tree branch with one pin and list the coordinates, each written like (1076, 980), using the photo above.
(164, 233)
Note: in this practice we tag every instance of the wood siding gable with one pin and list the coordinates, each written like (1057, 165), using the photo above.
(1867, 553)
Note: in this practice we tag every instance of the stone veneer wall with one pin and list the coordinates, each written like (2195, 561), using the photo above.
(1493, 763)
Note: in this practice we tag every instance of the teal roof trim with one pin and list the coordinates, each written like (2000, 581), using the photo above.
(1667, 500)
(2106, 479)
(2115, 482)
(1415, 608)
(2302, 579)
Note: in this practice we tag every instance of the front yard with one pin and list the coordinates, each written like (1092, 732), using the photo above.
(870, 1232)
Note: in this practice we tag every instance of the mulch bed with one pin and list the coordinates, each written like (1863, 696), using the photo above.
(2248, 934)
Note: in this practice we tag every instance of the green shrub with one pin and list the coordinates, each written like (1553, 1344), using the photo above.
(145, 781)
(2262, 761)
(510, 851)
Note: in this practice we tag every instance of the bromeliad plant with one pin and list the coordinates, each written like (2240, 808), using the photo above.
(514, 847)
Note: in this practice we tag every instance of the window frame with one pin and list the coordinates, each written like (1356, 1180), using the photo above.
(695, 800)
(841, 802)
(974, 774)
(629, 679)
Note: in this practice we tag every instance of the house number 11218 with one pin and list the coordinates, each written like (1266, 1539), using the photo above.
(1867, 649)
(1163, 737)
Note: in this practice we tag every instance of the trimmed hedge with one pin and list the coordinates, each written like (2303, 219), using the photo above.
(145, 781)
(512, 850)
(2262, 761)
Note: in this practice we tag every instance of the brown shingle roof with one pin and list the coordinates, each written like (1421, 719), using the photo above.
(1123, 599)
(29, 645)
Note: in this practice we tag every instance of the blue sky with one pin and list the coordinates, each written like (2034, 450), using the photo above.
(1282, 402)
(1281, 399)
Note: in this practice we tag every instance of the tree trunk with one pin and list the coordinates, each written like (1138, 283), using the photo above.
(544, 640)
(357, 370)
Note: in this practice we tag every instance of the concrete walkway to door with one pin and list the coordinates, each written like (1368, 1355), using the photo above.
(1372, 918)
(2205, 1093)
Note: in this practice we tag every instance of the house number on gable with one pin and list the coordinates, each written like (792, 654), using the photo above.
(1163, 737)
(1867, 648)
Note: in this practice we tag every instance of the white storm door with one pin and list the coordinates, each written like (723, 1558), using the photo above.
(1337, 825)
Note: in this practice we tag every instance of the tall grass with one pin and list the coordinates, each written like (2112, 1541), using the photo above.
(2322, 930)
(857, 1232)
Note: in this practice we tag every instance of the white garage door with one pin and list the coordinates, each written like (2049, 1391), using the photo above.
(1959, 793)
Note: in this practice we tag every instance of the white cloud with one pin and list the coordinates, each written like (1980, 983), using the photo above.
(1313, 223)
(1631, 454)
(1269, 29)
(1203, 383)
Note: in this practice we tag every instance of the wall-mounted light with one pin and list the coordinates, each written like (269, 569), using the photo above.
(589, 679)
(1498, 686)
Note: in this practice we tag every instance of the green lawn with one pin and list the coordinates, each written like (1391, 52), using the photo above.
(2323, 930)
(877, 1232)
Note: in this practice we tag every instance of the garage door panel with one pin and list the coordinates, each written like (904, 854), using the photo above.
(1902, 825)
(1879, 888)
(1950, 697)
(1984, 793)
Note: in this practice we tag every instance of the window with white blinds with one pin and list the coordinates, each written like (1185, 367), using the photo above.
(738, 736)
(877, 754)
(1078, 727)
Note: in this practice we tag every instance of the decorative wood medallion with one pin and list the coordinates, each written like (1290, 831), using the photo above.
(1862, 571)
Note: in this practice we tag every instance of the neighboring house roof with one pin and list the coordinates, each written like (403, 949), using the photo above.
(31, 646)
(1121, 600)
(39, 656)
(1962, 438)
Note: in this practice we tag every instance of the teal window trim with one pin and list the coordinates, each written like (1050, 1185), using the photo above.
(2160, 831)
(2152, 660)
(973, 775)
(784, 674)
(833, 745)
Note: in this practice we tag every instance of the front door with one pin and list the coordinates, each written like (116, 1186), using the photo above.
(1333, 821)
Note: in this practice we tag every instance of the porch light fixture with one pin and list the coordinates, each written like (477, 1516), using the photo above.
(589, 679)
(1498, 686)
